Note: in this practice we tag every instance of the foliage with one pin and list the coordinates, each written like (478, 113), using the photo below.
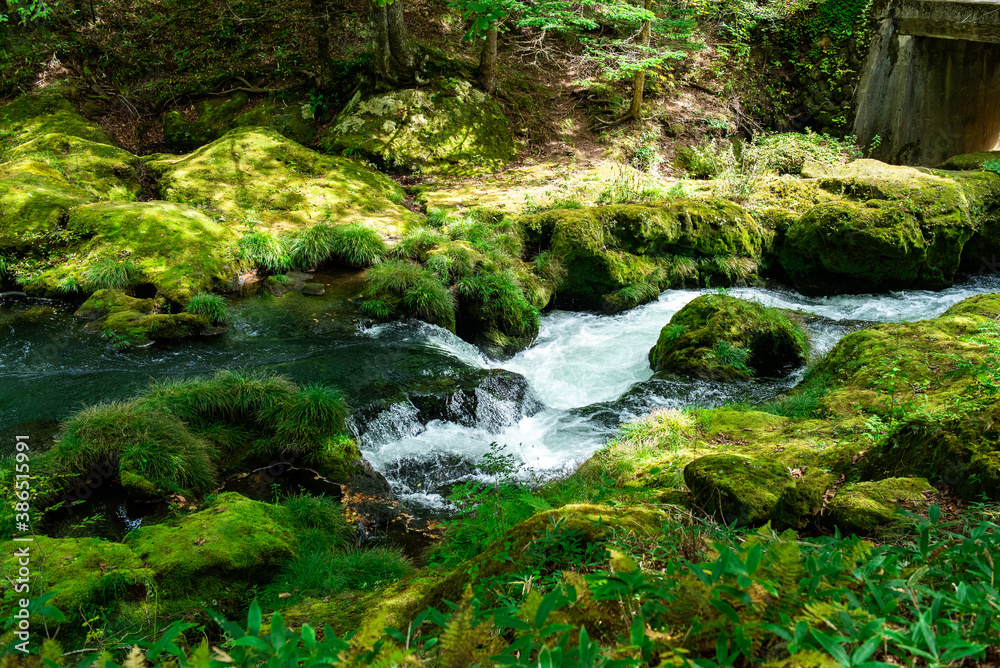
(353, 244)
(214, 307)
(992, 165)
(112, 274)
(265, 251)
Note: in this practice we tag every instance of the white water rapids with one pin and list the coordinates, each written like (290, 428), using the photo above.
(581, 360)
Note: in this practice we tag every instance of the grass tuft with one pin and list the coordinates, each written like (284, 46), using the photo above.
(214, 307)
(111, 274)
(265, 251)
(355, 245)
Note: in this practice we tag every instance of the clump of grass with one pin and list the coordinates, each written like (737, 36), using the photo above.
(438, 217)
(727, 354)
(214, 307)
(265, 251)
(317, 512)
(111, 274)
(308, 416)
(650, 439)
(418, 243)
(141, 439)
(431, 301)
(801, 404)
(453, 261)
(394, 276)
(396, 197)
(500, 301)
(6, 267)
(354, 244)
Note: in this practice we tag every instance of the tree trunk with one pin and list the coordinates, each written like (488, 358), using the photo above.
(487, 72)
(321, 17)
(639, 85)
(393, 57)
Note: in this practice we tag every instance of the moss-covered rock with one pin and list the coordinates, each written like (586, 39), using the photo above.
(959, 453)
(255, 173)
(84, 573)
(968, 161)
(738, 490)
(103, 170)
(448, 128)
(866, 507)
(176, 248)
(103, 303)
(396, 605)
(876, 369)
(220, 552)
(35, 200)
(612, 251)
(722, 337)
(894, 227)
(799, 504)
(32, 116)
(208, 119)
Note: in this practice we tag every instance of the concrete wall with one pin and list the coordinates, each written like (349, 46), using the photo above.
(930, 97)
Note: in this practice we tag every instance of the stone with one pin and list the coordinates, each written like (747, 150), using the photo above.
(868, 507)
(725, 338)
(621, 255)
(890, 228)
(449, 127)
(313, 289)
(209, 119)
(736, 489)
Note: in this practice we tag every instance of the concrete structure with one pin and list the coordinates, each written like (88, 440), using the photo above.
(931, 85)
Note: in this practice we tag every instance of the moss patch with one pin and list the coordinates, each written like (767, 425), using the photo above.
(610, 248)
(215, 116)
(449, 128)
(256, 174)
(722, 337)
(32, 116)
(867, 507)
(894, 227)
(736, 489)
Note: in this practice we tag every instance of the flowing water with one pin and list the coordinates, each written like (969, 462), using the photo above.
(584, 375)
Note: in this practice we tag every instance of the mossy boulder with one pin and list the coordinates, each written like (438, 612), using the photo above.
(892, 228)
(867, 507)
(725, 338)
(256, 174)
(969, 161)
(136, 322)
(449, 127)
(175, 248)
(872, 370)
(103, 170)
(35, 200)
(799, 504)
(208, 119)
(103, 303)
(738, 490)
(82, 572)
(958, 453)
(619, 255)
(32, 116)
(220, 552)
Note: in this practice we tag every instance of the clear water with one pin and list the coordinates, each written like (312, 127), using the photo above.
(589, 371)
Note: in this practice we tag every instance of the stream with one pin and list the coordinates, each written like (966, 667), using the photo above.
(567, 393)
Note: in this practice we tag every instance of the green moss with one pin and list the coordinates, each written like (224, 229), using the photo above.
(722, 337)
(738, 490)
(799, 504)
(607, 248)
(103, 170)
(455, 129)
(35, 200)
(960, 453)
(283, 184)
(894, 227)
(220, 552)
(969, 161)
(32, 116)
(867, 507)
(177, 248)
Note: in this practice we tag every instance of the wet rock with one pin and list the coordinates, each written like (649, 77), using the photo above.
(726, 338)
(622, 255)
(313, 289)
(490, 399)
(449, 127)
